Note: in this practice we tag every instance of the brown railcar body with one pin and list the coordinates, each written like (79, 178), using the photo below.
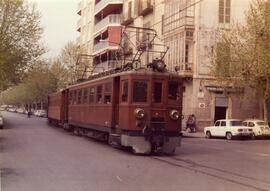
(106, 108)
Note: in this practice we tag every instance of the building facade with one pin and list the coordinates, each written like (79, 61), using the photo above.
(190, 29)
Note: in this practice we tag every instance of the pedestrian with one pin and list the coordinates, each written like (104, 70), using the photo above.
(191, 123)
(29, 113)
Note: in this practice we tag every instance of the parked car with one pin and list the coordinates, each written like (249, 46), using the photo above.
(260, 128)
(20, 110)
(40, 113)
(1, 121)
(228, 128)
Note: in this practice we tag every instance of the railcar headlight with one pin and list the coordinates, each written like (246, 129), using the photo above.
(139, 113)
(174, 114)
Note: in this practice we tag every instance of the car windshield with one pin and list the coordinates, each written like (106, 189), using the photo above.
(261, 123)
(236, 123)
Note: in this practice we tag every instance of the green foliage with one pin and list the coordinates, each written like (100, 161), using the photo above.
(242, 56)
(39, 83)
(20, 33)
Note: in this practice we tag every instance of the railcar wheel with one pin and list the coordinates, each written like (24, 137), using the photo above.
(208, 135)
(229, 136)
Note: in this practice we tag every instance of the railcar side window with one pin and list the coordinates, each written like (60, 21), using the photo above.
(157, 92)
(85, 94)
(124, 96)
(80, 97)
(140, 91)
(107, 93)
(92, 95)
(99, 94)
(173, 91)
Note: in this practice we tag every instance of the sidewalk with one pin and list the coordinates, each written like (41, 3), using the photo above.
(193, 135)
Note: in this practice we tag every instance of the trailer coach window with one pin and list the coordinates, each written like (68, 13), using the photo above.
(80, 97)
(173, 90)
(157, 92)
(74, 97)
(99, 94)
(85, 94)
(70, 98)
(139, 91)
(92, 95)
(124, 91)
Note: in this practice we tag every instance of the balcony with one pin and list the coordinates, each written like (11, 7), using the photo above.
(146, 7)
(107, 6)
(127, 19)
(103, 46)
(79, 25)
(186, 70)
(110, 20)
(105, 66)
(79, 9)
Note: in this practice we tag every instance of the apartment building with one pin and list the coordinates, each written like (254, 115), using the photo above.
(191, 29)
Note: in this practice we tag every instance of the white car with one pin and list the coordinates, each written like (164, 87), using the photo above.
(260, 128)
(40, 113)
(1, 121)
(228, 128)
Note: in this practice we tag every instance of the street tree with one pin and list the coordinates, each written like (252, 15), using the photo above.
(20, 35)
(242, 56)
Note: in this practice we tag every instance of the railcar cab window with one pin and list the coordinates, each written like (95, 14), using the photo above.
(107, 93)
(92, 95)
(157, 92)
(173, 91)
(99, 94)
(139, 91)
(124, 91)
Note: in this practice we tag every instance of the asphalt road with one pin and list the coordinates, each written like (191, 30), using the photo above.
(36, 157)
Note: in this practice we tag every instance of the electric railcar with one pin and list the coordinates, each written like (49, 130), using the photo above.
(140, 109)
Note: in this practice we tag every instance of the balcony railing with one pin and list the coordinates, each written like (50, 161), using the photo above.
(186, 69)
(108, 21)
(105, 66)
(103, 46)
(101, 4)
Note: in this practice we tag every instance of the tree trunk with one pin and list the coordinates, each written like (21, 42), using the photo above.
(265, 113)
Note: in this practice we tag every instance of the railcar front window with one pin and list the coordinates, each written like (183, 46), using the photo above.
(140, 91)
(157, 92)
(173, 91)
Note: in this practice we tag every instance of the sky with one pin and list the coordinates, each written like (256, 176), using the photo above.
(59, 20)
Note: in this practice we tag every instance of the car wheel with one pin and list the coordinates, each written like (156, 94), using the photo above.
(208, 135)
(229, 136)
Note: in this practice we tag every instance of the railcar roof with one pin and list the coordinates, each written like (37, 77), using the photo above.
(137, 72)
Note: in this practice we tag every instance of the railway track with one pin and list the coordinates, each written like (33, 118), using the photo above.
(221, 174)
